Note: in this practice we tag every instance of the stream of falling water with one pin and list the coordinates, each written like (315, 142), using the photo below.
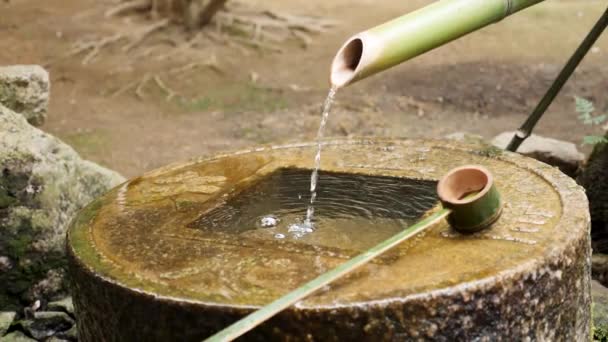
(315, 172)
(302, 228)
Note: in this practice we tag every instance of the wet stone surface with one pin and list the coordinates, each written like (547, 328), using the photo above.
(191, 234)
(46, 324)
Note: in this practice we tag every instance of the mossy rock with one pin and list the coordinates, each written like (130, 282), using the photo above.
(16, 336)
(6, 319)
(43, 182)
(25, 90)
(595, 181)
(599, 294)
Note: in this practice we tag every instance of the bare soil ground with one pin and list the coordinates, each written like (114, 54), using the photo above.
(485, 83)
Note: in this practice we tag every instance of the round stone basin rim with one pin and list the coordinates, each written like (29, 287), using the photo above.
(366, 145)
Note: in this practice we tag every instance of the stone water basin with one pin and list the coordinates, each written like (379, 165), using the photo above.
(179, 253)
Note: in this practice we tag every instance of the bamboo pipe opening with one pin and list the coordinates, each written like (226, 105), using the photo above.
(347, 61)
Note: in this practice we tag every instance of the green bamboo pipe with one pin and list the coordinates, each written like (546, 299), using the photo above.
(470, 203)
(411, 35)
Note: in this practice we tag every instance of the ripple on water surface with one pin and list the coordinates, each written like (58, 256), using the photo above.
(353, 212)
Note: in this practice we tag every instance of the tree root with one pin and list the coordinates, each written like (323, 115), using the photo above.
(129, 6)
(221, 39)
(245, 26)
(304, 38)
(211, 63)
(142, 34)
(302, 23)
(183, 47)
(139, 90)
(140, 84)
(271, 26)
(236, 26)
(170, 93)
(125, 88)
(95, 46)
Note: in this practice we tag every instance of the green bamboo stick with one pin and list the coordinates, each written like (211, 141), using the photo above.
(258, 317)
(415, 33)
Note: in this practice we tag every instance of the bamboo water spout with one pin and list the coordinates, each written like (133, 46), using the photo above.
(406, 37)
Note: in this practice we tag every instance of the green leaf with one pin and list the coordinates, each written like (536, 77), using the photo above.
(584, 106)
(598, 120)
(586, 119)
(594, 140)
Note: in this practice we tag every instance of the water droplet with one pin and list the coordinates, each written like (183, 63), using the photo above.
(269, 221)
(298, 230)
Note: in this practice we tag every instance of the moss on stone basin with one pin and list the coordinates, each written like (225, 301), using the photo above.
(142, 270)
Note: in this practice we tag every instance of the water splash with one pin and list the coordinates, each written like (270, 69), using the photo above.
(308, 225)
(269, 221)
(299, 230)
